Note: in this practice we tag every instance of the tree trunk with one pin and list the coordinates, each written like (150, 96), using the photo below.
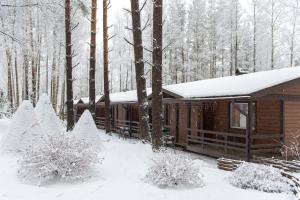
(26, 73)
(105, 68)
(17, 80)
(236, 38)
(9, 80)
(139, 69)
(92, 90)
(62, 102)
(157, 104)
(272, 34)
(33, 69)
(254, 35)
(69, 67)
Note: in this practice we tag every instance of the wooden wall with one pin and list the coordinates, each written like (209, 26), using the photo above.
(268, 117)
(100, 111)
(292, 119)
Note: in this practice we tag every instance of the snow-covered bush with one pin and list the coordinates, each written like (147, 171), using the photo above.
(86, 128)
(259, 177)
(47, 117)
(24, 131)
(61, 156)
(172, 169)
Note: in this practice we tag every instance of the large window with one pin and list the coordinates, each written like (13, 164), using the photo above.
(238, 115)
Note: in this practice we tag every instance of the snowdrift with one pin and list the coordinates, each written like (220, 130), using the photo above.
(24, 130)
(46, 116)
(86, 128)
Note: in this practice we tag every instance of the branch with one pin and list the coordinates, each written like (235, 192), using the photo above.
(20, 6)
(75, 26)
(11, 37)
(127, 10)
(166, 47)
(148, 50)
(128, 41)
(143, 5)
(75, 65)
(111, 37)
(127, 27)
(146, 24)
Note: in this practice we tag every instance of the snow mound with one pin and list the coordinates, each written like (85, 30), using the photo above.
(259, 177)
(86, 128)
(47, 117)
(61, 156)
(174, 169)
(24, 130)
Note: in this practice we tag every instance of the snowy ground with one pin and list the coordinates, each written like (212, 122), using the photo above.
(120, 177)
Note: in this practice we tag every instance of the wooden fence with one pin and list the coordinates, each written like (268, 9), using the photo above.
(286, 167)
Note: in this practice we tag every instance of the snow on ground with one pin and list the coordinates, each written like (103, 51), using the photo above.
(120, 177)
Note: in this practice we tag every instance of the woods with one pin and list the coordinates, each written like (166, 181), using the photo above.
(146, 46)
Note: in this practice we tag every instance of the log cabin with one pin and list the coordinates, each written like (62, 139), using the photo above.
(239, 116)
(235, 117)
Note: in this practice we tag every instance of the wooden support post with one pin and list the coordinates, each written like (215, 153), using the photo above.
(189, 121)
(249, 130)
(177, 122)
(282, 116)
(130, 120)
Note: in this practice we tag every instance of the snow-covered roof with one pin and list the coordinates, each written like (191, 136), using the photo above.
(129, 96)
(234, 85)
(86, 100)
(76, 101)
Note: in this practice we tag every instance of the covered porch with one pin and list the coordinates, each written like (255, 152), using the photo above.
(239, 127)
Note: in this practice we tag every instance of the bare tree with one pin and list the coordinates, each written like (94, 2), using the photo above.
(69, 67)
(139, 69)
(254, 2)
(105, 67)
(92, 92)
(157, 106)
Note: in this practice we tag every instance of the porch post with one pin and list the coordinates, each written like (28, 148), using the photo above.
(130, 120)
(282, 116)
(189, 121)
(249, 130)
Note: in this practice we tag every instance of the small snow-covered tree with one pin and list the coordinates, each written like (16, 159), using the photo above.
(259, 177)
(62, 156)
(25, 131)
(86, 128)
(171, 169)
(46, 116)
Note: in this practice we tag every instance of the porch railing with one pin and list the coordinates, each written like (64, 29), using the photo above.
(232, 144)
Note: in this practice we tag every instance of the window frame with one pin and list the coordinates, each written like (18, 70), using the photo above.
(230, 116)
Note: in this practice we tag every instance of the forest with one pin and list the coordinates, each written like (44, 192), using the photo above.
(201, 39)
(149, 99)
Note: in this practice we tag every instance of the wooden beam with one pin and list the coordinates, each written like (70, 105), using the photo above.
(130, 120)
(189, 123)
(282, 121)
(177, 122)
(249, 130)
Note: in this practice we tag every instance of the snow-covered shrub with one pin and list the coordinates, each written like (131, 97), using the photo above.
(61, 156)
(47, 117)
(172, 169)
(259, 177)
(24, 131)
(86, 128)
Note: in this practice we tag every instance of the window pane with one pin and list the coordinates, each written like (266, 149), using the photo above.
(239, 112)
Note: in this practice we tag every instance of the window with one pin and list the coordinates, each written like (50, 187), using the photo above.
(238, 115)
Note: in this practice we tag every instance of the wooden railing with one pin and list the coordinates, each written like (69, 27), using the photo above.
(100, 122)
(217, 140)
(233, 143)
